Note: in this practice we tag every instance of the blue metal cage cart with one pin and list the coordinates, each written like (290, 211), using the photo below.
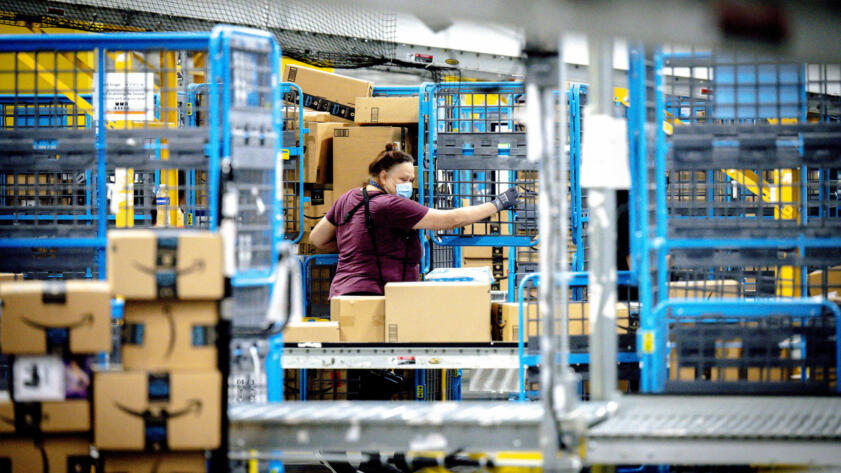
(528, 329)
(737, 207)
(95, 140)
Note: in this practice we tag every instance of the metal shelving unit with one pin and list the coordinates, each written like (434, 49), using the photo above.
(394, 356)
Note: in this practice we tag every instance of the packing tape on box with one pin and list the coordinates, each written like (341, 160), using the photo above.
(155, 421)
(322, 104)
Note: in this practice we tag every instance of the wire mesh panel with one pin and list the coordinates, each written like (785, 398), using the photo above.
(776, 352)
(319, 271)
(245, 105)
(94, 139)
(481, 152)
(740, 199)
(293, 178)
(627, 315)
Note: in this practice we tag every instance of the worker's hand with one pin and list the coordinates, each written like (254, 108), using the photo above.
(507, 199)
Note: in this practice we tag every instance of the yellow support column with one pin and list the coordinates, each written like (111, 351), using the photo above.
(169, 116)
(787, 188)
(124, 177)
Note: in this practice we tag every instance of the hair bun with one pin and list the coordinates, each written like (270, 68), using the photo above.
(389, 146)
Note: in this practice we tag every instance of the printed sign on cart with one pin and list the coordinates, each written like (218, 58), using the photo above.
(129, 96)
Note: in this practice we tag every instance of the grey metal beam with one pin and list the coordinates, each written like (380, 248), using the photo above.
(391, 357)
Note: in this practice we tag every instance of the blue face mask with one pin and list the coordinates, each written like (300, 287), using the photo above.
(404, 189)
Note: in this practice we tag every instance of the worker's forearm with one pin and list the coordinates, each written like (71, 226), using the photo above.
(467, 215)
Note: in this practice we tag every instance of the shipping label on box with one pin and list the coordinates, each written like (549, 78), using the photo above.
(449, 312)
(172, 335)
(170, 462)
(38, 378)
(177, 410)
(361, 318)
(66, 316)
(64, 454)
(143, 265)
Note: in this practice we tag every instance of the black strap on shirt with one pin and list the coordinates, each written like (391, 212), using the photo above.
(369, 225)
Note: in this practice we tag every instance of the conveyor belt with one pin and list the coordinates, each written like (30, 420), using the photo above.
(385, 426)
(720, 430)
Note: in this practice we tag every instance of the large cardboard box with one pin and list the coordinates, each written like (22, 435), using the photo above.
(312, 332)
(47, 417)
(361, 318)
(170, 462)
(318, 152)
(31, 308)
(327, 92)
(831, 278)
(387, 110)
(354, 148)
(578, 312)
(726, 288)
(437, 312)
(63, 455)
(320, 202)
(170, 335)
(144, 264)
(177, 410)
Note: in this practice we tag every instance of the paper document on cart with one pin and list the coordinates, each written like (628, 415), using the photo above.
(604, 153)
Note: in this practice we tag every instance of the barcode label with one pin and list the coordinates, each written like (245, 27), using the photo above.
(392, 332)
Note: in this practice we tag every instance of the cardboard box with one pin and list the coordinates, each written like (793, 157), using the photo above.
(48, 417)
(328, 92)
(6, 277)
(830, 277)
(314, 332)
(727, 288)
(509, 321)
(387, 110)
(30, 308)
(318, 152)
(144, 264)
(176, 335)
(63, 454)
(354, 148)
(320, 202)
(361, 318)
(578, 312)
(180, 462)
(181, 408)
(484, 252)
(437, 312)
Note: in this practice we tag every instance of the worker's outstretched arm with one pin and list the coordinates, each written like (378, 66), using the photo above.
(454, 218)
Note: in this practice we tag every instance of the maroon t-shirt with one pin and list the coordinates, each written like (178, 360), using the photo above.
(393, 218)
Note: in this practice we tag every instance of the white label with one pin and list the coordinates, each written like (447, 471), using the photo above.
(129, 96)
(604, 153)
(39, 378)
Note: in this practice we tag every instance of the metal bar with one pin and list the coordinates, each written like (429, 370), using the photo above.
(602, 229)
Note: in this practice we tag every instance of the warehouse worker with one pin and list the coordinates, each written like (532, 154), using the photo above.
(374, 227)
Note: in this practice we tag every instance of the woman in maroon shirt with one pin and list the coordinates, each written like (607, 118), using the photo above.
(374, 228)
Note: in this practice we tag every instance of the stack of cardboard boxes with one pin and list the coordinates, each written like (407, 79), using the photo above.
(168, 397)
(51, 330)
(451, 312)
(348, 133)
